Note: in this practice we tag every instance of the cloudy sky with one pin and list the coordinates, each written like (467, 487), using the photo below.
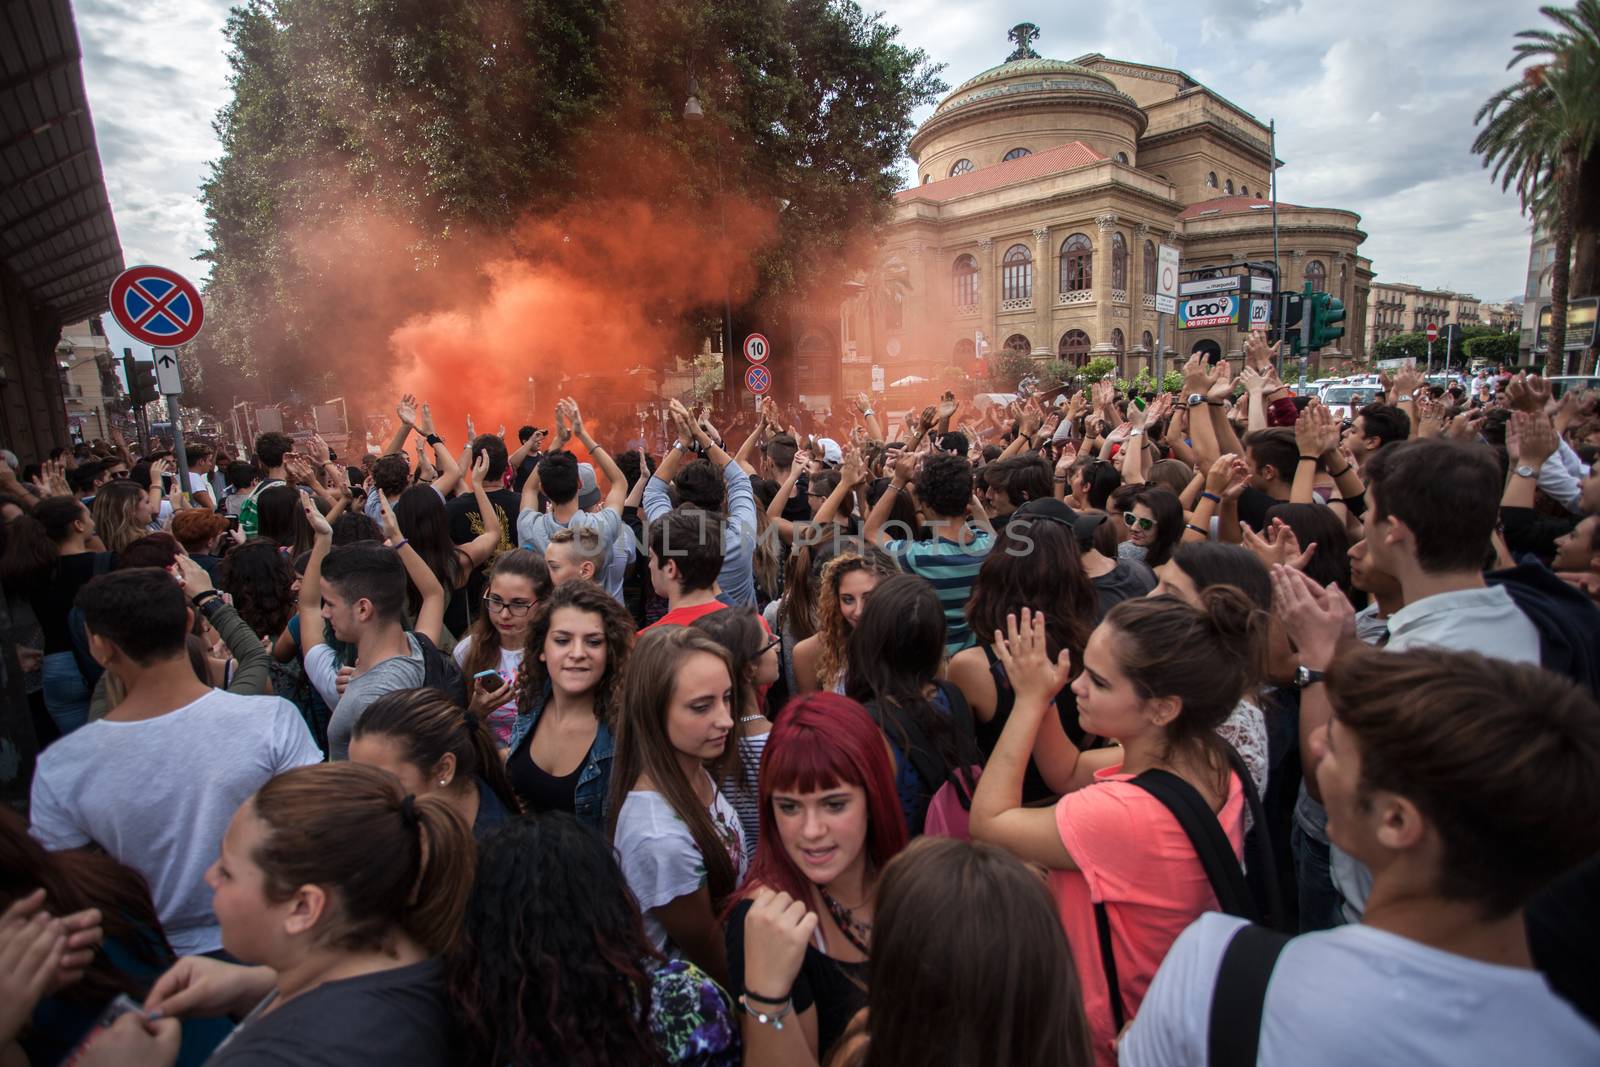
(1374, 102)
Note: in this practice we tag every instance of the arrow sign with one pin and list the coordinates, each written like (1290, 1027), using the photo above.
(168, 380)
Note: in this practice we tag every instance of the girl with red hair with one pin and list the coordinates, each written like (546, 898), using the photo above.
(830, 821)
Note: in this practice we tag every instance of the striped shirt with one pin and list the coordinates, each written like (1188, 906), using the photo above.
(951, 568)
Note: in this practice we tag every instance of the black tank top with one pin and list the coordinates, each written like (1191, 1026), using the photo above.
(1005, 698)
(540, 790)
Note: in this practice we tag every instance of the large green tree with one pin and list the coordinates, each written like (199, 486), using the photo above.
(454, 119)
(1542, 134)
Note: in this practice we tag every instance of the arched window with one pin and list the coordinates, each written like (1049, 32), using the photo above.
(1018, 343)
(1016, 274)
(1122, 157)
(926, 178)
(1244, 190)
(964, 282)
(960, 166)
(1077, 264)
(1317, 275)
(1228, 187)
(1211, 180)
(1117, 341)
(1150, 266)
(1147, 342)
(965, 352)
(1119, 262)
(894, 311)
(1017, 153)
(1074, 347)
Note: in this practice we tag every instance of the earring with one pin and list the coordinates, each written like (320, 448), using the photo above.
(443, 782)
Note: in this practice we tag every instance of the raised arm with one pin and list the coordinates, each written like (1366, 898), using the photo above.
(430, 616)
(905, 468)
(406, 410)
(480, 548)
(852, 473)
(616, 481)
(998, 816)
(870, 418)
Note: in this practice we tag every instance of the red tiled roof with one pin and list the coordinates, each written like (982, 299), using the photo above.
(1066, 157)
(1229, 205)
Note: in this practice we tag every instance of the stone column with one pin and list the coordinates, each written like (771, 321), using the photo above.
(988, 294)
(1045, 284)
(1167, 338)
(1138, 285)
(1103, 311)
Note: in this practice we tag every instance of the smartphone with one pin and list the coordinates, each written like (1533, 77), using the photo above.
(1138, 402)
(120, 1005)
(489, 681)
(233, 523)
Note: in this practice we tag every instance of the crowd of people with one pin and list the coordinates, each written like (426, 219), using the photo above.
(1116, 727)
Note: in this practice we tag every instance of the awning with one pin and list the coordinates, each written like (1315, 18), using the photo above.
(56, 231)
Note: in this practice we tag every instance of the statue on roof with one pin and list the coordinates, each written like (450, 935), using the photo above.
(1023, 34)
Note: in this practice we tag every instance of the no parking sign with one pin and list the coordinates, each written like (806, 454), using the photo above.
(758, 380)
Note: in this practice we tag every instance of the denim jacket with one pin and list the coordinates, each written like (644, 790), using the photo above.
(594, 782)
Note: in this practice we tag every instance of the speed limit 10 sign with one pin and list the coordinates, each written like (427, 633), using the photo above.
(757, 348)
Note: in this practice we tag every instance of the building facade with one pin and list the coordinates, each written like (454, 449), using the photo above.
(90, 388)
(1043, 191)
(1397, 308)
(1536, 290)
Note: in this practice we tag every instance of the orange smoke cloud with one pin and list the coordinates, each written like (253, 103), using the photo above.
(585, 295)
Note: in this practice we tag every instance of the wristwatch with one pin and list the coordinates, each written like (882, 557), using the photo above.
(1305, 677)
(433, 439)
(1526, 471)
(1196, 399)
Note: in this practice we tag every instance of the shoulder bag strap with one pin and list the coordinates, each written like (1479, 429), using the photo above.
(920, 752)
(1233, 1033)
(1211, 845)
(1108, 964)
(1261, 868)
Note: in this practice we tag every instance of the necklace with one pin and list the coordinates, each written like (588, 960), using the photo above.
(752, 718)
(855, 931)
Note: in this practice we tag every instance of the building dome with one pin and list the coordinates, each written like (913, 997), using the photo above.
(1028, 76)
(1025, 105)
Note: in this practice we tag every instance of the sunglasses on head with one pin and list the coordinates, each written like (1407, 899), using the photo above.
(1136, 522)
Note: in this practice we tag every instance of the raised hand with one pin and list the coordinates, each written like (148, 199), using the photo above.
(928, 417)
(1254, 381)
(319, 521)
(853, 471)
(1222, 384)
(1197, 376)
(1279, 546)
(948, 404)
(407, 410)
(388, 523)
(1069, 455)
(905, 467)
(480, 472)
(1220, 475)
(1316, 618)
(1531, 438)
(1024, 653)
(1315, 431)
(802, 460)
(777, 930)
(426, 426)
(861, 404)
(1430, 417)
(319, 449)
(472, 432)
(1257, 352)
(1406, 382)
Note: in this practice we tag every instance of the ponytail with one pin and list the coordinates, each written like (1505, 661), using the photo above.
(1209, 657)
(427, 726)
(447, 856)
(394, 862)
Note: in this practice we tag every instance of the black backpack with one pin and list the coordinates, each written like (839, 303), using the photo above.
(439, 671)
(1250, 892)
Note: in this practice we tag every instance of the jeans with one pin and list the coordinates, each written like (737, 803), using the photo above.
(1319, 901)
(66, 696)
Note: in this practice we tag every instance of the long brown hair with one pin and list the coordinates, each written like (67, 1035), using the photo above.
(951, 993)
(833, 632)
(483, 654)
(642, 747)
(614, 620)
(75, 880)
(395, 863)
(113, 514)
(427, 725)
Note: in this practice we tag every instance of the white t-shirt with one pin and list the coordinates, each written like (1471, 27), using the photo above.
(1358, 995)
(659, 857)
(501, 718)
(158, 794)
(201, 483)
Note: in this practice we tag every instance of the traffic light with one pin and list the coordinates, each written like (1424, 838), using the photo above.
(141, 380)
(1322, 321)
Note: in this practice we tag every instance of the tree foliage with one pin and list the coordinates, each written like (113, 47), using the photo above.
(451, 119)
(1414, 346)
(1499, 349)
(1542, 135)
(1007, 367)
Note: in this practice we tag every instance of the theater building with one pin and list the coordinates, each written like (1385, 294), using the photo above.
(1042, 191)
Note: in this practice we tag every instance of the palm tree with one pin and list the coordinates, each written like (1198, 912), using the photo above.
(875, 290)
(1543, 134)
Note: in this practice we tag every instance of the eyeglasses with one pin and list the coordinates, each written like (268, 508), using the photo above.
(769, 646)
(1136, 522)
(518, 608)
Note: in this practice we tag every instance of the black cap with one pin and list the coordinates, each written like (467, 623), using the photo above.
(1082, 523)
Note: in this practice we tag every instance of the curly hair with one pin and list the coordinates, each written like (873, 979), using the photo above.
(261, 582)
(614, 619)
(944, 485)
(552, 964)
(833, 630)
